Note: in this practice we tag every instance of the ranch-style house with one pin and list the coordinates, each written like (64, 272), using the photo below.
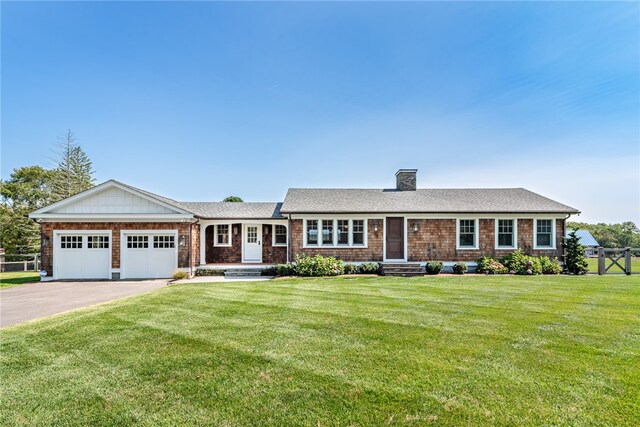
(116, 231)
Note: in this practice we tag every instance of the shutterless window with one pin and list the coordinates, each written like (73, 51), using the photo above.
(544, 231)
(343, 232)
(358, 232)
(97, 242)
(137, 242)
(467, 233)
(280, 233)
(164, 242)
(505, 232)
(312, 232)
(222, 234)
(71, 242)
(327, 232)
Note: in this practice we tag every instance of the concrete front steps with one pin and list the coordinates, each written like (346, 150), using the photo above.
(405, 269)
(242, 272)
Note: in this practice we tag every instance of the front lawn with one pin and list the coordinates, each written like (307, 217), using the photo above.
(444, 350)
(9, 279)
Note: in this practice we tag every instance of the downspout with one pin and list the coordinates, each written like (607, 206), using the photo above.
(289, 239)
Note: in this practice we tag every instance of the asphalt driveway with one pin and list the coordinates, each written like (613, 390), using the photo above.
(35, 300)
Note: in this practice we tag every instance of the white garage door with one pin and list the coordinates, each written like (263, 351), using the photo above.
(149, 256)
(82, 256)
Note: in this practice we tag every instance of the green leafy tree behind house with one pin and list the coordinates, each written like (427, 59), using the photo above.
(233, 199)
(27, 189)
(622, 235)
(32, 187)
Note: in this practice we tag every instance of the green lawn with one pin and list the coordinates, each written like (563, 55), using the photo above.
(635, 265)
(8, 280)
(445, 350)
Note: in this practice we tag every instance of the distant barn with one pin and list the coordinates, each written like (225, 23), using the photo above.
(587, 240)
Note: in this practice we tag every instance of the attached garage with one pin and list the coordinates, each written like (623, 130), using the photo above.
(115, 231)
(148, 254)
(82, 255)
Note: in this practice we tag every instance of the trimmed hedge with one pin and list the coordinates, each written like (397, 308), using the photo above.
(460, 268)
(209, 272)
(434, 267)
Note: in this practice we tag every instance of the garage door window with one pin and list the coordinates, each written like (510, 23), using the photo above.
(137, 242)
(71, 242)
(164, 242)
(97, 242)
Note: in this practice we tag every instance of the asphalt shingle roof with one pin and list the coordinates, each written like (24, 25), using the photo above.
(238, 210)
(472, 200)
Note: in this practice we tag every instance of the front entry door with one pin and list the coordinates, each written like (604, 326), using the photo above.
(252, 245)
(395, 238)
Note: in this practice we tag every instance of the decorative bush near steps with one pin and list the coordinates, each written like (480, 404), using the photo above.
(180, 275)
(434, 267)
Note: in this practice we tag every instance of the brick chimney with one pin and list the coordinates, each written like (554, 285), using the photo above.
(406, 179)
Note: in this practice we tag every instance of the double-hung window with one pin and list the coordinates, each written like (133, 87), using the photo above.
(222, 235)
(467, 234)
(312, 232)
(358, 232)
(343, 232)
(506, 233)
(279, 235)
(327, 232)
(544, 234)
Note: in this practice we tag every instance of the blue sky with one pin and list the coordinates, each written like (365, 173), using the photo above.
(200, 100)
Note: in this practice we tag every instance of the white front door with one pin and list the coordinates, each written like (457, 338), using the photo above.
(252, 243)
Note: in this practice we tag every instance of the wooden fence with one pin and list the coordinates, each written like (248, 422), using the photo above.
(26, 262)
(615, 256)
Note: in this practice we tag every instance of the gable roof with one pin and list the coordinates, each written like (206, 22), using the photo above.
(77, 204)
(236, 210)
(459, 200)
(586, 238)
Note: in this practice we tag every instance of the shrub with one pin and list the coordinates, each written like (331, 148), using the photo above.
(550, 266)
(520, 263)
(318, 265)
(369, 268)
(285, 269)
(209, 272)
(574, 261)
(434, 267)
(489, 265)
(350, 269)
(460, 268)
(269, 271)
(180, 275)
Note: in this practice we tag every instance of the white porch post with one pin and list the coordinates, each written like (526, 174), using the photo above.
(203, 243)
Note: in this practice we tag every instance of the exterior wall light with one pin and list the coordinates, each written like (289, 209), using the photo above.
(415, 226)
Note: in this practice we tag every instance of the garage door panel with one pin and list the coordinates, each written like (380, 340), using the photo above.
(149, 255)
(81, 256)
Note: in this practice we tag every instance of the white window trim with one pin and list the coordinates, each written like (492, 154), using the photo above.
(515, 234)
(273, 237)
(215, 236)
(535, 235)
(335, 244)
(476, 232)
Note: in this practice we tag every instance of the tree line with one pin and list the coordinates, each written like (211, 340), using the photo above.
(622, 235)
(32, 187)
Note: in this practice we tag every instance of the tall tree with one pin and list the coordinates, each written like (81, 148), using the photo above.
(27, 189)
(232, 199)
(74, 172)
